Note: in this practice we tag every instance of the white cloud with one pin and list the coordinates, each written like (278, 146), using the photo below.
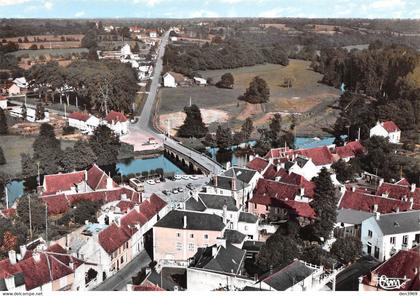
(203, 13)
(275, 12)
(48, 5)
(386, 4)
(79, 13)
(12, 2)
(147, 2)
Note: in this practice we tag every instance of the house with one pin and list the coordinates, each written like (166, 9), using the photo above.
(168, 278)
(384, 235)
(30, 114)
(179, 234)
(217, 267)
(126, 50)
(153, 34)
(386, 129)
(349, 222)
(3, 102)
(169, 80)
(295, 276)
(248, 225)
(118, 122)
(398, 273)
(41, 269)
(349, 150)
(19, 86)
(401, 190)
(200, 81)
(83, 121)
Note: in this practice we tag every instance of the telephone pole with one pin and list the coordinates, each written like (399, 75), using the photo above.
(7, 196)
(30, 216)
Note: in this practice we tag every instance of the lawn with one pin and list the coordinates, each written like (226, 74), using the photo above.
(306, 96)
(13, 146)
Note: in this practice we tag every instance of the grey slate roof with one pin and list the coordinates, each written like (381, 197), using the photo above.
(234, 236)
(3, 286)
(288, 276)
(195, 221)
(247, 217)
(224, 182)
(399, 222)
(242, 174)
(214, 201)
(252, 246)
(195, 205)
(227, 259)
(168, 278)
(351, 216)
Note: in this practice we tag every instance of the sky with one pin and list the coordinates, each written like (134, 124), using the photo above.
(209, 8)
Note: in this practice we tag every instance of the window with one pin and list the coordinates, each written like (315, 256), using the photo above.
(206, 236)
(122, 259)
(178, 234)
(191, 235)
(392, 240)
(179, 246)
(255, 206)
(405, 240)
(246, 227)
(191, 247)
(370, 233)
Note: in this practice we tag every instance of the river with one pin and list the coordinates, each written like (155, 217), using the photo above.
(16, 187)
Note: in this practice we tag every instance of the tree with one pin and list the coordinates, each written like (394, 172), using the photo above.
(226, 81)
(347, 249)
(33, 47)
(79, 157)
(36, 212)
(193, 125)
(39, 112)
(136, 48)
(247, 128)
(3, 123)
(324, 204)
(89, 40)
(209, 140)
(2, 158)
(24, 112)
(105, 144)
(223, 137)
(278, 250)
(47, 151)
(314, 254)
(343, 170)
(257, 92)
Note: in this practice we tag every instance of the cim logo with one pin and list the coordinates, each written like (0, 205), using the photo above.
(390, 283)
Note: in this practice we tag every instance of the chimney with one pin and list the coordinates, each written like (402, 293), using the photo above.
(377, 216)
(214, 250)
(137, 207)
(215, 181)
(411, 203)
(71, 265)
(109, 182)
(22, 251)
(381, 181)
(278, 167)
(36, 256)
(185, 221)
(413, 187)
(234, 182)
(353, 188)
(228, 165)
(251, 157)
(375, 208)
(397, 210)
(124, 196)
(117, 221)
(302, 191)
(224, 214)
(12, 257)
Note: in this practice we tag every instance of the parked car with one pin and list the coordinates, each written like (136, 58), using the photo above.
(157, 180)
(151, 182)
(174, 191)
(181, 189)
(185, 177)
(193, 177)
(165, 192)
(178, 177)
(190, 186)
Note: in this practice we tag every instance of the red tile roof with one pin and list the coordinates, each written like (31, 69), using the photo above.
(57, 204)
(278, 190)
(301, 209)
(97, 178)
(319, 155)
(3, 98)
(270, 172)
(299, 180)
(400, 191)
(257, 164)
(8, 213)
(133, 218)
(125, 205)
(79, 116)
(147, 210)
(157, 203)
(390, 126)
(402, 264)
(112, 237)
(147, 287)
(115, 116)
(50, 267)
(62, 182)
(403, 181)
(363, 201)
(278, 152)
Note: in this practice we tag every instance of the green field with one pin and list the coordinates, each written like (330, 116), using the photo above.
(306, 96)
(53, 52)
(13, 146)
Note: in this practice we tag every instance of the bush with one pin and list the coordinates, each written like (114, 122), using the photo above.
(68, 130)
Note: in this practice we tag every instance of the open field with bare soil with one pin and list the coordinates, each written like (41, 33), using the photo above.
(306, 97)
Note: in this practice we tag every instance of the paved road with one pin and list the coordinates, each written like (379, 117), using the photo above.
(144, 124)
(119, 281)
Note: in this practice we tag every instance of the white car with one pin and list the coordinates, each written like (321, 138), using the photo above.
(185, 177)
(178, 177)
(157, 180)
(151, 182)
(193, 177)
